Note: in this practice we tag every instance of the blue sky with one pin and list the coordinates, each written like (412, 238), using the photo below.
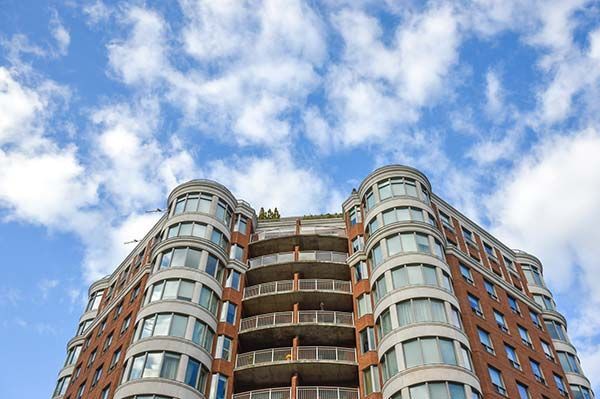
(104, 107)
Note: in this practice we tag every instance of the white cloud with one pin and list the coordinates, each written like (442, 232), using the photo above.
(548, 207)
(60, 34)
(96, 12)
(494, 94)
(277, 181)
(46, 285)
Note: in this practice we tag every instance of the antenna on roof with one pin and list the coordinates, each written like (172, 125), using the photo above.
(157, 210)
(131, 242)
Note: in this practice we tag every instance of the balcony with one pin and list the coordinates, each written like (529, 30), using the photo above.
(301, 393)
(311, 293)
(318, 327)
(310, 264)
(315, 364)
(317, 238)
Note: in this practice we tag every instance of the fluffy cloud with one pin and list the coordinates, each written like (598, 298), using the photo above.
(60, 33)
(548, 207)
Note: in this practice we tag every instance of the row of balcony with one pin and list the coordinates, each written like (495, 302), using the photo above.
(302, 317)
(301, 393)
(285, 257)
(298, 354)
(276, 287)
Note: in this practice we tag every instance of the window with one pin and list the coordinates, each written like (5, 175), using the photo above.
(497, 381)
(523, 391)
(376, 256)
(61, 386)
(94, 301)
(203, 335)
(357, 244)
(105, 392)
(171, 289)
(214, 268)
(446, 220)
(355, 216)
(533, 275)
(360, 271)
(371, 380)
(83, 326)
(560, 385)
(569, 362)
(224, 213)
(219, 238)
(241, 225)
(499, 317)
(115, 358)
(233, 280)
(556, 330)
(162, 324)
(484, 338)
(429, 350)
(534, 318)
(545, 302)
(547, 350)
(489, 250)
(363, 304)
(581, 392)
(491, 290)
(440, 390)
(92, 358)
(118, 310)
(97, 375)
(396, 186)
(475, 305)
(384, 323)
(466, 273)
(223, 348)
(180, 257)
(135, 292)
(236, 252)
(154, 364)
(413, 242)
(509, 263)
(468, 235)
(514, 305)
(537, 371)
(107, 342)
(415, 274)
(389, 364)
(73, 355)
(524, 334)
(421, 310)
(218, 389)
(367, 340)
(126, 323)
(193, 202)
(196, 375)
(80, 391)
(369, 200)
(511, 354)
(228, 312)
(209, 300)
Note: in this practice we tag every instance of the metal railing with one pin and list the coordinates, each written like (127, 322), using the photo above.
(301, 393)
(283, 257)
(275, 287)
(326, 393)
(304, 230)
(304, 353)
(304, 317)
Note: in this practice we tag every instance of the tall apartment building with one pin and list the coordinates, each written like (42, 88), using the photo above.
(402, 297)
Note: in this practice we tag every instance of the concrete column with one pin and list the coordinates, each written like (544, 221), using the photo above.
(296, 278)
(298, 226)
(294, 386)
(295, 344)
(295, 317)
(296, 253)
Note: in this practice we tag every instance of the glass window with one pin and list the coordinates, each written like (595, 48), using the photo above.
(371, 380)
(511, 354)
(218, 389)
(367, 340)
(228, 312)
(523, 391)
(560, 384)
(422, 243)
(364, 305)
(408, 242)
(569, 362)
(205, 202)
(534, 318)
(380, 288)
(233, 280)
(581, 392)
(497, 381)
(499, 317)
(212, 265)
(524, 334)
(389, 364)
(209, 300)
(547, 350)
(241, 225)
(466, 273)
(203, 335)
(536, 370)
(475, 306)
(556, 330)
(384, 323)
(223, 347)
(514, 305)
(369, 200)
(393, 245)
(360, 271)
(491, 290)
(236, 252)
(484, 338)
(195, 375)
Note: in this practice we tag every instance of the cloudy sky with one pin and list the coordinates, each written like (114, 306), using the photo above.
(104, 107)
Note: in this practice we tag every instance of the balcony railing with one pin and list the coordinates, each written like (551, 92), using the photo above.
(303, 353)
(326, 393)
(304, 317)
(304, 230)
(301, 393)
(284, 257)
(273, 393)
(275, 287)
